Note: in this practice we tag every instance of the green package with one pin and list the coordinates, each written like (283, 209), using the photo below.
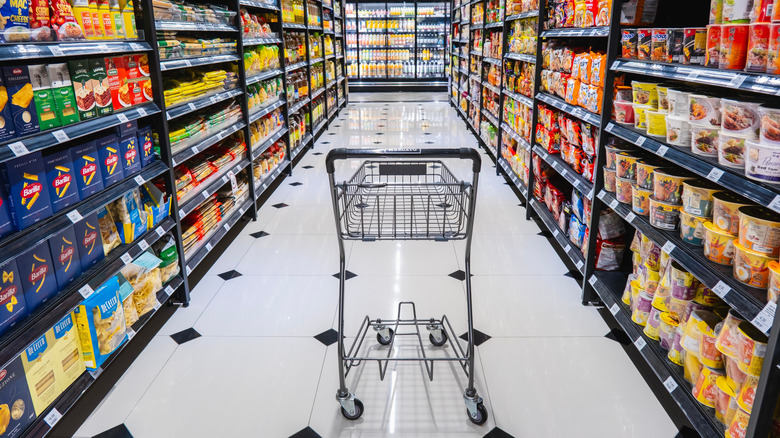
(43, 97)
(62, 90)
(82, 87)
(100, 87)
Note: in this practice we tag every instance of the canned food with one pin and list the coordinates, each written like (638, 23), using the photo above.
(740, 118)
(667, 329)
(675, 355)
(747, 394)
(731, 150)
(678, 130)
(725, 211)
(691, 367)
(725, 394)
(752, 349)
(612, 150)
(663, 98)
(704, 110)
(733, 46)
(658, 45)
(626, 298)
(718, 244)
(691, 338)
(644, 43)
(751, 267)
(759, 230)
(644, 173)
(623, 190)
(706, 389)
(712, 57)
(692, 228)
(762, 162)
(693, 306)
(738, 426)
(609, 180)
(653, 327)
(697, 197)
(664, 215)
(683, 283)
(733, 373)
(668, 184)
(706, 296)
(642, 311)
(704, 140)
(629, 43)
(709, 355)
(640, 200)
(758, 47)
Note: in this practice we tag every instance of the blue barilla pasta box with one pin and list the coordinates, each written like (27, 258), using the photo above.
(89, 179)
(110, 163)
(12, 304)
(20, 92)
(145, 145)
(15, 396)
(25, 182)
(88, 241)
(61, 174)
(127, 134)
(6, 222)
(37, 273)
(65, 254)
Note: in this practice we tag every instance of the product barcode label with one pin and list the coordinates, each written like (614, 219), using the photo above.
(130, 334)
(556, 233)
(566, 248)
(122, 118)
(613, 204)
(192, 106)
(205, 194)
(609, 125)
(209, 247)
(53, 417)
(188, 270)
(692, 75)
(241, 211)
(187, 63)
(662, 151)
(126, 258)
(668, 247)
(615, 65)
(224, 179)
(714, 174)
(564, 172)
(640, 141)
(737, 81)
(139, 180)
(86, 291)
(18, 149)
(157, 304)
(60, 135)
(226, 227)
(143, 245)
(775, 204)
(614, 309)
(159, 231)
(168, 290)
(765, 317)
(670, 384)
(181, 214)
(141, 112)
(640, 343)
(136, 46)
(56, 51)
(592, 280)
(74, 216)
(721, 289)
(602, 194)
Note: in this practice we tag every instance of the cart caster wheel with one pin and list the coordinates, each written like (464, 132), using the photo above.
(358, 411)
(480, 418)
(437, 343)
(384, 341)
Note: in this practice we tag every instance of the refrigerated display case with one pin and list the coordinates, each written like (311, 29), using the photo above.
(392, 45)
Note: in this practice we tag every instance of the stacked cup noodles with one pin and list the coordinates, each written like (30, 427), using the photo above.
(744, 35)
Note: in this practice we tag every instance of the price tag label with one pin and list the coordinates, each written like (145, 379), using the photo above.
(181, 214)
(168, 290)
(737, 81)
(692, 75)
(661, 151)
(195, 149)
(564, 172)
(613, 204)
(136, 46)
(219, 135)
(592, 280)
(765, 317)
(53, 417)
(630, 217)
(554, 164)
(670, 384)
(209, 247)
(56, 51)
(159, 231)
(86, 291)
(143, 245)
(614, 309)
(141, 112)
(60, 135)
(205, 194)
(188, 270)
(602, 194)
(640, 141)
(668, 247)
(103, 48)
(126, 258)
(224, 179)
(18, 149)
(640, 343)
(187, 63)
(157, 304)
(214, 99)
(615, 65)
(191, 106)
(233, 182)
(610, 126)
(714, 174)
(775, 204)
(556, 233)
(566, 248)
(241, 211)
(721, 289)
(74, 216)
(226, 227)
(139, 180)
(122, 118)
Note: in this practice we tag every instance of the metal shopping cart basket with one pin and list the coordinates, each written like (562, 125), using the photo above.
(417, 198)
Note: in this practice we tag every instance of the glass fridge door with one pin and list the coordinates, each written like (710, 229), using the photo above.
(432, 19)
(400, 39)
(351, 30)
(372, 40)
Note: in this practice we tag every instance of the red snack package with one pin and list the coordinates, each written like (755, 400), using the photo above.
(40, 25)
(64, 22)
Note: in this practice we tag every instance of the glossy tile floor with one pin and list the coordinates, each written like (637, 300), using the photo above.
(257, 370)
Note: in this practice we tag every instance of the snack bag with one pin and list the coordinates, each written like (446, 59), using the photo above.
(108, 230)
(598, 68)
(144, 275)
(39, 21)
(604, 12)
(100, 321)
(64, 22)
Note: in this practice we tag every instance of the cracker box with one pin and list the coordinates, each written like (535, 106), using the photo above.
(82, 87)
(25, 182)
(145, 145)
(100, 320)
(7, 130)
(36, 270)
(12, 304)
(89, 177)
(6, 222)
(110, 163)
(20, 91)
(45, 106)
(88, 241)
(16, 406)
(68, 365)
(61, 176)
(64, 97)
(100, 86)
(65, 255)
(38, 364)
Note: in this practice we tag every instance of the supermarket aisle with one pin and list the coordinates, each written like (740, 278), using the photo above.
(264, 363)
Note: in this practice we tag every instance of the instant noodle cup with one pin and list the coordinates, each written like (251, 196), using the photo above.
(718, 244)
(623, 190)
(704, 140)
(706, 389)
(668, 184)
(759, 230)
(694, 306)
(678, 102)
(692, 228)
(626, 298)
(664, 215)
(645, 93)
(644, 43)
(640, 200)
(735, 375)
(628, 42)
(651, 280)
(624, 113)
(677, 306)
(739, 424)
(656, 123)
(727, 341)
(691, 337)
(725, 211)
(708, 354)
(731, 150)
(770, 125)
(750, 267)
(716, 11)
(758, 48)
(636, 290)
(762, 162)
(691, 368)
(712, 53)
(697, 197)
(626, 165)
(733, 46)
(683, 283)
(644, 173)
(773, 288)
(663, 98)
(725, 394)
(667, 329)
(752, 349)
(704, 110)
(653, 327)
(740, 118)
(674, 47)
(612, 150)
(642, 311)
(640, 116)
(610, 182)
(737, 11)
(706, 296)
(773, 49)
(694, 45)
(675, 355)
(747, 394)
(624, 93)
(678, 130)
(731, 413)
(658, 45)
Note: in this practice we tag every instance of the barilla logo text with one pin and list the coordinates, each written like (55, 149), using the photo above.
(61, 181)
(111, 160)
(7, 294)
(3, 374)
(130, 155)
(147, 147)
(17, 71)
(31, 189)
(38, 273)
(63, 326)
(90, 238)
(36, 348)
(88, 169)
(66, 253)
(108, 306)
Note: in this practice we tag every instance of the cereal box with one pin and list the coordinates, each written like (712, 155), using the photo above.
(38, 364)
(88, 241)
(65, 255)
(68, 365)
(6, 222)
(45, 106)
(12, 304)
(16, 406)
(100, 86)
(7, 129)
(145, 145)
(62, 89)
(110, 163)
(100, 321)
(25, 182)
(61, 175)
(89, 177)
(82, 86)
(37, 274)
(20, 91)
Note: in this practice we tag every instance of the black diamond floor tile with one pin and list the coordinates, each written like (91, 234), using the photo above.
(306, 433)
(328, 337)
(331, 133)
(347, 275)
(296, 184)
(428, 142)
(377, 142)
(229, 275)
(619, 336)
(459, 275)
(319, 153)
(324, 142)
(380, 133)
(497, 433)
(120, 431)
(308, 167)
(185, 335)
(479, 337)
(427, 133)
(280, 205)
(259, 234)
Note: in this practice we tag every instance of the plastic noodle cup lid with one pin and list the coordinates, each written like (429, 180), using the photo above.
(726, 385)
(671, 319)
(709, 226)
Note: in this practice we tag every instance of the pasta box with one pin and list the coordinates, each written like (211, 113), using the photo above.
(89, 243)
(61, 175)
(117, 82)
(45, 106)
(128, 128)
(131, 157)
(89, 178)
(62, 89)
(12, 304)
(38, 364)
(145, 145)
(7, 130)
(25, 182)
(110, 163)
(36, 271)
(16, 406)
(68, 365)
(65, 255)
(20, 91)
(100, 86)
(6, 223)
(100, 321)
(82, 87)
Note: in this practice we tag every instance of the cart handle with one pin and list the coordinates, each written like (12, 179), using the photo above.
(461, 153)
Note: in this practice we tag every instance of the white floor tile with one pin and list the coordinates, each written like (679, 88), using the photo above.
(200, 297)
(280, 254)
(403, 258)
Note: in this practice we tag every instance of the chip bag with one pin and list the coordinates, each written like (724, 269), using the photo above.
(130, 220)
(64, 23)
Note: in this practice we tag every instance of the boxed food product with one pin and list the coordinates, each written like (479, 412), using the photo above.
(37, 274)
(128, 150)
(166, 250)
(7, 129)
(65, 256)
(61, 174)
(89, 177)
(156, 204)
(100, 321)
(117, 82)
(16, 406)
(110, 163)
(88, 241)
(100, 86)
(45, 106)
(38, 364)
(82, 86)
(62, 89)
(17, 82)
(25, 181)
(14, 22)
(6, 222)
(66, 351)
(12, 304)
(145, 145)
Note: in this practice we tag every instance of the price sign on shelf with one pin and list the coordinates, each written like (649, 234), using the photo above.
(56, 51)
(226, 227)
(157, 304)
(670, 384)
(613, 204)
(136, 46)
(141, 112)
(610, 126)
(640, 343)
(86, 291)
(630, 217)
(209, 247)
(714, 174)
(737, 81)
(126, 258)
(122, 118)
(765, 317)
(614, 309)
(188, 270)
(168, 290)
(139, 180)
(640, 141)
(74, 216)
(52, 418)
(159, 231)
(60, 135)
(143, 245)
(721, 289)
(592, 280)
(191, 106)
(668, 247)
(566, 248)
(556, 233)
(775, 204)
(18, 149)
(661, 151)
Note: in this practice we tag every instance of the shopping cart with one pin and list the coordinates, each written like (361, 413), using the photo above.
(413, 199)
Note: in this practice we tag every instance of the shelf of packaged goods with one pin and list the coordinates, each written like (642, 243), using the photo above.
(329, 56)
(520, 140)
(304, 144)
(211, 185)
(745, 300)
(580, 113)
(491, 117)
(574, 254)
(609, 287)
(525, 100)
(181, 109)
(43, 423)
(295, 108)
(28, 329)
(262, 145)
(318, 127)
(296, 66)
(340, 79)
(339, 35)
(575, 179)
(330, 84)
(589, 32)
(328, 32)
(491, 60)
(316, 60)
(494, 25)
(257, 41)
(339, 56)
(262, 184)
(191, 151)
(513, 177)
(708, 167)
(294, 26)
(193, 27)
(734, 79)
(175, 64)
(223, 227)
(476, 52)
(491, 87)
(521, 57)
(20, 146)
(476, 26)
(262, 76)
(14, 52)
(317, 28)
(260, 5)
(265, 110)
(528, 14)
(317, 92)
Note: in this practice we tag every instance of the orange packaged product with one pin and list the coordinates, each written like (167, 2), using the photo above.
(594, 99)
(733, 46)
(761, 11)
(758, 45)
(776, 12)
(64, 22)
(598, 68)
(575, 66)
(712, 58)
(585, 65)
(97, 21)
(572, 89)
(773, 49)
(582, 96)
(638, 12)
(604, 12)
(567, 59)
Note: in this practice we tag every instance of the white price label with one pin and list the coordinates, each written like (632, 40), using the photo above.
(192, 106)
(737, 81)
(609, 125)
(224, 179)
(157, 304)
(122, 118)
(668, 247)
(60, 135)
(602, 194)
(614, 309)
(136, 46)
(219, 135)
(615, 65)
(613, 204)
(566, 248)
(56, 51)
(692, 75)
(126, 258)
(661, 151)
(159, 231)
(103, 48)
(130, 334)
(714, 174)
(765, 317)
(630, 217)
(556, 233)
(143, 245)
(640, 141)
(775, 204)
(226, 227)
(53, 417)
(209, 247)
(592, 280)
(18, 149)
(640, 343)
(188, 270)
(670, 384)
(139, 180)
(168, 290)
(86, 291)
(564, 172)
(214, 99)
(181, 214)
(721, 289)
(195, 150)
(233, 182)
(74, 216)
(187, 63)
(241, 211)
(205, 194)
(141, 112)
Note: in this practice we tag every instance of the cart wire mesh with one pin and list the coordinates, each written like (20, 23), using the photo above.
(408, 200)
